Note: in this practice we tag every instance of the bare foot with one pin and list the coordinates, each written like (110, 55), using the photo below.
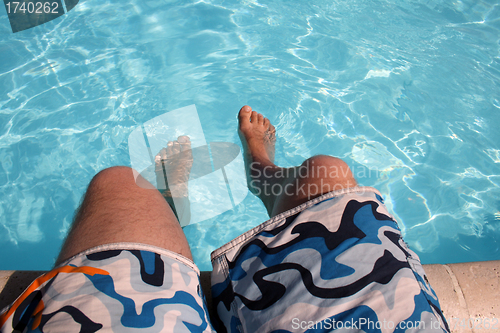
(281, 189)
(173, 166)
(257, 135)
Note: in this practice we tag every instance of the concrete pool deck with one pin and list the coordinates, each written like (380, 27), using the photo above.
(466, 291)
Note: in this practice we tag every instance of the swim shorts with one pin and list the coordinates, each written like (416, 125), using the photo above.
(335, 262)
(118, 288)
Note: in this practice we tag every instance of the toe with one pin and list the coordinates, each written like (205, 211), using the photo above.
(260, 119)
(246, 108)
(271, 132)
(183, 139)
(244, 114)
(176, 148)
(160, 158)
(184, 142)
(163, 153)
(168, 150)
(255, 117)
(267, 123)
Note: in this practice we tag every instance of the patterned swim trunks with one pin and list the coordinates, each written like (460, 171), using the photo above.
(114, 288)
(335, 262)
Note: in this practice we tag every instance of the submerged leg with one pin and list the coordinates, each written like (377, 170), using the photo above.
(172, 167)
(281, 189)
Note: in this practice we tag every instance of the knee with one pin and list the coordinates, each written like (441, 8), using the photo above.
(328, 167)
(113, 177)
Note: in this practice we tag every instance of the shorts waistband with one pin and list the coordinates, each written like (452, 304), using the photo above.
(135, 246)
(280, 217)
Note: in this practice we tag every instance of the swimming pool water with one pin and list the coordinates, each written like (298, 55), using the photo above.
(406, 89)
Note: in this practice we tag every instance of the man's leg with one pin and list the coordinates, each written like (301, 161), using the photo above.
(117, 209)
(281, 189)
(136, 285)
(339, 263)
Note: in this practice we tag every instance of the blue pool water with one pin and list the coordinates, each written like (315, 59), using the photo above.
(408, 89)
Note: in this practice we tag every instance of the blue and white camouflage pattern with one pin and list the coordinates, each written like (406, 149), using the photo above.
(335, 262)
(114, 288)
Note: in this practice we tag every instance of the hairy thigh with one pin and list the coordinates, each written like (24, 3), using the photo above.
(119, 207)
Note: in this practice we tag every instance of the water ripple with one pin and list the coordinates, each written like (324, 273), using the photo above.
(406, 89)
